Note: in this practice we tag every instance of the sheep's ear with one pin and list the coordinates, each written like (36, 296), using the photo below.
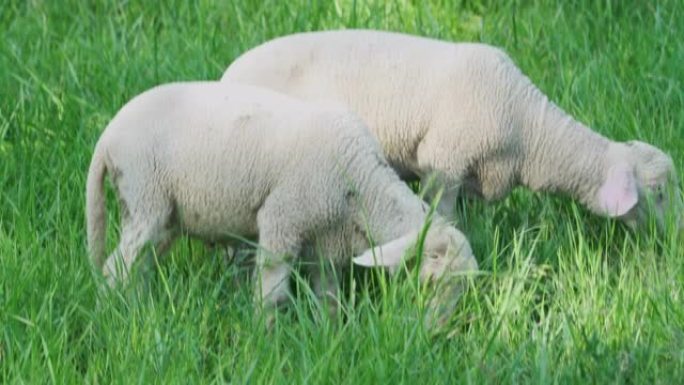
(388, 255)
(619, 193)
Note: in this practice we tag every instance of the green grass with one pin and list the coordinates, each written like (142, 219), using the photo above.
(567, 297)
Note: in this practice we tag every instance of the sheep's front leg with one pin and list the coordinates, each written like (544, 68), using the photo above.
(326, 286)
(444, 162)
(434, 185)
(279, 242)
(273, 278)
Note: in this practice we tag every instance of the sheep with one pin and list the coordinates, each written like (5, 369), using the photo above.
(220, 162)
(467, 116)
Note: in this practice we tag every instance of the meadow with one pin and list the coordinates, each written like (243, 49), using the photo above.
(565, 297)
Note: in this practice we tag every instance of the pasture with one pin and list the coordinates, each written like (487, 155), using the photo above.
(565, 296)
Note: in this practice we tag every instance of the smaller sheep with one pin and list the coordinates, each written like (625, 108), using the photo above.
(465, 114)
(219, 161)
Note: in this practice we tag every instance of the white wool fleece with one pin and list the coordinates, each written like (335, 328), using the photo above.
(465, 114)
(217, 161)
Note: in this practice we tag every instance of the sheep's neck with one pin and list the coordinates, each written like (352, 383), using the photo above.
(387, 205)
(561, 155)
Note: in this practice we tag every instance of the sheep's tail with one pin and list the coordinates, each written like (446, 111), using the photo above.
(96, 212)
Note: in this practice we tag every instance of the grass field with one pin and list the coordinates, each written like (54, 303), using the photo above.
(567, 297)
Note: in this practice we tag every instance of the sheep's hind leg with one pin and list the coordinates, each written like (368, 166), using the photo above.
(136, 232)
(159, 248)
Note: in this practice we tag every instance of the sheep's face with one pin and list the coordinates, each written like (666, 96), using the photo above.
(446, 251)
(446, 256)
(641, 186)
(659, 195)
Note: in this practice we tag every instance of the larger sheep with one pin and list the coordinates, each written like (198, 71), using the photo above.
(221, 161)
(465, 114)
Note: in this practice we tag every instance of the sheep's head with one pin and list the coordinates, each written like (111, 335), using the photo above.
(446, 251)
(446, 257)
(640, 185)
